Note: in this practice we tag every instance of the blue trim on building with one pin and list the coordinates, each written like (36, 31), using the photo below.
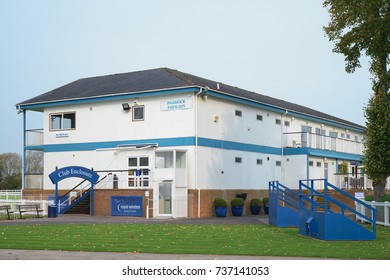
(220, 95)
(90, 146)
(229, 145)
(203, 142)
(109, 98)
(322, 153)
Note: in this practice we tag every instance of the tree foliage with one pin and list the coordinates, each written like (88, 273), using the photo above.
(10, 171)
(363, 27)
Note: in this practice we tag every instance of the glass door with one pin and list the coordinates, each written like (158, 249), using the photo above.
(165, 198)
(139, 171)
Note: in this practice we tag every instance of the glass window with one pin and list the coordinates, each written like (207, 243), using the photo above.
(259, 117)
(144, 161)
(278, 163)
(238, 160)
(259, 161)
(278, 121)
(164, 160)
(180, 159)
(139, 113)
(238, 113)
(132, 162)
(62, 121)
(318, 164)
(55, 122)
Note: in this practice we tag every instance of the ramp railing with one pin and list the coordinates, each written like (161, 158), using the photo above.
(308, 193)
(286, 196)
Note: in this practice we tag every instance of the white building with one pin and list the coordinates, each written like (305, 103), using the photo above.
(185, 139)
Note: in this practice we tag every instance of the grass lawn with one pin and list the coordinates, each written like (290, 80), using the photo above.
(262, 240)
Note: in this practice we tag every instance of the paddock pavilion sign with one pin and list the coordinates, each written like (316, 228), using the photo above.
(74, 171)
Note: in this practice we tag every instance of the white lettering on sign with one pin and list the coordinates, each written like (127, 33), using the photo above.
(176, 104)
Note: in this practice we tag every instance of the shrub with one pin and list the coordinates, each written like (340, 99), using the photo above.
(384, 198)
(237, 202)
(220, 202)
(265, 200)
(369, 198)
(255, 202)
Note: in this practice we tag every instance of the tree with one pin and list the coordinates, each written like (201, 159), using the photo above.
(10, 171)
(363, 27)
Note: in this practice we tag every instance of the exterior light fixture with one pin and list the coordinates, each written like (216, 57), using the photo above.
(125, 106)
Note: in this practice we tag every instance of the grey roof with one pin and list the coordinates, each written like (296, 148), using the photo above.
(161, 79)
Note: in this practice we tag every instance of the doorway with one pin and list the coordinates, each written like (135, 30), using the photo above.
(165, 198)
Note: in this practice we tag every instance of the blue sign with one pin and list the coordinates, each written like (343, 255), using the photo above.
(126, 206)
(74, 171)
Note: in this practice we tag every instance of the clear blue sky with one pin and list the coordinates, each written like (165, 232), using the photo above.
(276, 48)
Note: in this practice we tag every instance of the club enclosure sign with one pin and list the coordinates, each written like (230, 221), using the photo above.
(74, 171)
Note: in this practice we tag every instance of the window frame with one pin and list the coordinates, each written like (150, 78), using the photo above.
(133, 113)
(62, 121)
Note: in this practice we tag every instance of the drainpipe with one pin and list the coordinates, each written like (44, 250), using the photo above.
(281, 146)
(201, 90)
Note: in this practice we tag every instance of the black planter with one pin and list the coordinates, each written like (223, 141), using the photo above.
(266, 208)
(255, 209)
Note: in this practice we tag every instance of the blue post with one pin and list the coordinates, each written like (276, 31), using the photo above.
(56, 197)
(92, 200)
(325, 195)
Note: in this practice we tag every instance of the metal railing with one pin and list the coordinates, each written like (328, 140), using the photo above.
(321, 142)
(327, 199)
(34, 137)
(382, 215)
(10, 195)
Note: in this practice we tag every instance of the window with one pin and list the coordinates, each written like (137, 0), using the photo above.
(259, 161)
(278, 163)
(238, 160)
(138, 113)
(318, 164)
(278, 121)
(62, 121)
(310, 163)
(259, 117)
(238, 113)
(286, 123)
(164, 159)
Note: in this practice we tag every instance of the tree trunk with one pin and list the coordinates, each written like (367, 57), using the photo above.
(379, 187)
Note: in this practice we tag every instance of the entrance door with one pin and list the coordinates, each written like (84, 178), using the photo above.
(165, 198)
(326, 170)
(139, 171)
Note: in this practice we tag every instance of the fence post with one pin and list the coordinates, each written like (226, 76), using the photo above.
(386, 209)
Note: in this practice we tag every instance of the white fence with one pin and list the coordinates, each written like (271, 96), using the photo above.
(382, 214)
(13, 203)
(11, 194)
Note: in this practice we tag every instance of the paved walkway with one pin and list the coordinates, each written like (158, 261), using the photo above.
(6, 254)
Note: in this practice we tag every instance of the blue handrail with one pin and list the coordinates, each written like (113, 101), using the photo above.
(310, 186)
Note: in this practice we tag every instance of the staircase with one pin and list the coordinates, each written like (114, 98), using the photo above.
(310, 210)
(83, 207)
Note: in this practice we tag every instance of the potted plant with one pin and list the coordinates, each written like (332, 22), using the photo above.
(255, 206)
(220, 207)
(266, 205)
(237, 206)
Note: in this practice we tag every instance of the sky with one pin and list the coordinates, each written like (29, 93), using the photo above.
(276, 48)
